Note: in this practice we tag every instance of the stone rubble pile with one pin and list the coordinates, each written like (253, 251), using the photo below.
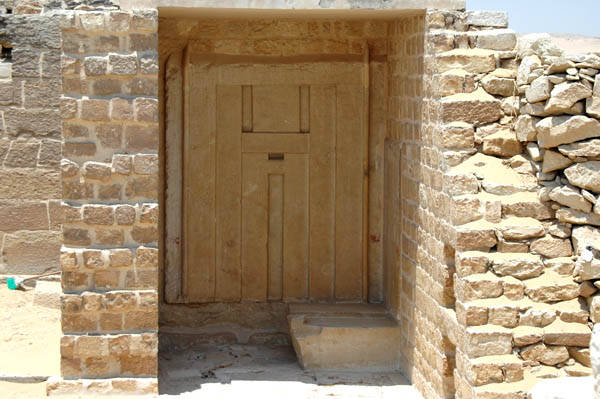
(522, 150)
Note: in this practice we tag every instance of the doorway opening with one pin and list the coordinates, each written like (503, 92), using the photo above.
(281, 177)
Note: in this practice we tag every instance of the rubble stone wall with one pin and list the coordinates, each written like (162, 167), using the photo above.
(518, 155)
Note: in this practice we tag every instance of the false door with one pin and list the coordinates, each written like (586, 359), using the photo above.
(274, 182)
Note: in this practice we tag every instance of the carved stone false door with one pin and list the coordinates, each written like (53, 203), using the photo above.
(274, 183)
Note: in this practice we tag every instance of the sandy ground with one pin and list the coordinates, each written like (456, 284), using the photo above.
(577, 44)
(29, 345)
(29, 335)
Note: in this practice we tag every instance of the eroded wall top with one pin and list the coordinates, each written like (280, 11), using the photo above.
(298, 4)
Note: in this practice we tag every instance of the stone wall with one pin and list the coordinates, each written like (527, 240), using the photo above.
(30, 141)
(516, 133)
(109, 173)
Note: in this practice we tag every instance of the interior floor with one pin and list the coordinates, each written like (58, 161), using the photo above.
(235, 371)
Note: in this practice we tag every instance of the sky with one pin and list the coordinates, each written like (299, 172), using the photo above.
(581, 17)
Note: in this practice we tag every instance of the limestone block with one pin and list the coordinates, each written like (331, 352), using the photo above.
(456, 81)
(526, 204)
(551, 287)
(23, 215)
(539, 90)
(31, 252)
(552, 247)
(583, 236)
(332, 339)
(460, 184)
(557, 130)
(582, 355)
(496, 19)
(495, 39)
(511, 106)
(537, 317)
(520, 266)
(592, 106)
(476, 108)
(567, 215)
(528, 64)
(527, 335)
(488, 340)
(554, 161)
(586, 270)
(503, 143)
(470, 60)
(469, 314)
(565, 95)
(525, 128)
(538, 43)
(478, 286)
(568, 334)
(549, 355)
(585, 175)
(47, 294)
(520, 228)
(522, 165)
(571, 197)
(471, 262)
(562, 266)
(479, 235)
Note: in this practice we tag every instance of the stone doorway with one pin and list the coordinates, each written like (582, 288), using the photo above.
(274, 186)
(275, 133)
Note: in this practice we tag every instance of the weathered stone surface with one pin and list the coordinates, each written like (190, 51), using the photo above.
(339, 336)
(23, 215)
(565, 95)
(587, 270)
(528, 64)
(29, 252)
(557, 130)
(539, 90)
(470, 60)
(520, 228)
(554, 161)
(527, 335)
(456, 81)
(476, 108)
(584, 236)
(496, 19)
(520, 266)
(495, 39)
(549, 355)
(592, 106)
(585, 175)
(551, 287)
(525, 128)
(499, 86)
(538, 43)
(552, 247)
(569, 196)
(31, 184)
(488, 340)
(457, 135)
(475, 236)
(567, 215)
(587, 149)
(503, 143)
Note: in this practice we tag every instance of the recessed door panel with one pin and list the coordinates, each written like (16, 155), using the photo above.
(274, 184)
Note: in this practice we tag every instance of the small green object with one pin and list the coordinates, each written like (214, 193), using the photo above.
(14, 283)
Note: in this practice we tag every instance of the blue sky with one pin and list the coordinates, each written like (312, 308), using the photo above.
(552, 16)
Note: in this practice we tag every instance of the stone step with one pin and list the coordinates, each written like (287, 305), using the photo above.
(470, 60)
(483, 286)
(345, 337)
(487, 340)
(456, 81)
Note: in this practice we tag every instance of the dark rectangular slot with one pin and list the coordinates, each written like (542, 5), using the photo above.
(276, 157)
